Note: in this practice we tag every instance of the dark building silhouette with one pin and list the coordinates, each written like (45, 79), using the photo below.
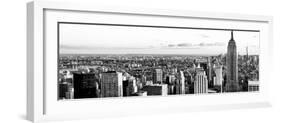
(232, 67)
(125, 85)
(85, 85)
(63, 89)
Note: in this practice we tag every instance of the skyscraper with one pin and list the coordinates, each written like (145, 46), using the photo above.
(125, 87)
(210, 70)
(201, 82)
(171, 80)
(180, 84)
(232, 67)
(132, 85)
(111, 84)
(157, 76)
(218, 78)
(85, 85)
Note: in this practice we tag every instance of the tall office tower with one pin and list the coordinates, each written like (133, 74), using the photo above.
(210, 70)
(232, 67)
(180, 84)
(132, 85)
(111, 84)
(189, 87)
(171, 80)
(157, 76)
(218, 78)
(201, 82)
(85, 85)
(125, 87)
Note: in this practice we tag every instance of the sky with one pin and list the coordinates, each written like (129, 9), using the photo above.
(105, 39)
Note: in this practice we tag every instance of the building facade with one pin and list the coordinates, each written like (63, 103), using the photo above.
(111, 84)
(85, 85)
(180, 84)
(156, 89)
(210, 70)
(218, 78)
(157, 76)
(201, 82)
(232, 67)
(253, 85)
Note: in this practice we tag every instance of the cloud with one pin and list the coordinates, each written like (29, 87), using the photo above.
(202, 44)
(184, 45)
(190, 45)
(84, 47)
(171, 45)
(179, 45)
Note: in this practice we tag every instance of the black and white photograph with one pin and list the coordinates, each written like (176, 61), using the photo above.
(100, 60)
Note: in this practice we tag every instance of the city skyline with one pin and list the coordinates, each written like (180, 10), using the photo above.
(93, 39)
(152, 68)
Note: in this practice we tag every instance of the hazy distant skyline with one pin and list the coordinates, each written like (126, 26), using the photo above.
(100, 39)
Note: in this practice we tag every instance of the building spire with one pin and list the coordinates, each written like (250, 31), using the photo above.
(232, 39)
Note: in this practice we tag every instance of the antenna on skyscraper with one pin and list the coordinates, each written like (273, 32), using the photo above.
(232, 39)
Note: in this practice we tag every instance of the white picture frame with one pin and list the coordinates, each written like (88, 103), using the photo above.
(41, 105)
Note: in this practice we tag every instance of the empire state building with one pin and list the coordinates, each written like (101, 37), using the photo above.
(232, 67)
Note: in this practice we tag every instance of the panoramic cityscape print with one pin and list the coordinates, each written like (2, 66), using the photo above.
(107, 60)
